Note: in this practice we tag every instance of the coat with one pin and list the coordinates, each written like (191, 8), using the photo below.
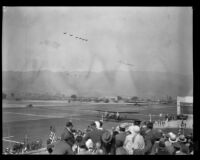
(119, 139)
(148, 138)
(155, 148)
(68, 136)
(162, 151)
(95, 135)
(128, 143)
(62, 148)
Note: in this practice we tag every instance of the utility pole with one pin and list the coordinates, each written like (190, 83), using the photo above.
(150, 117)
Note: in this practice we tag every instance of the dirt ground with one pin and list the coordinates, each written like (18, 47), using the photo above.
(35, 122)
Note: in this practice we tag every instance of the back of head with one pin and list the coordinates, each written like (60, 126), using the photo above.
(69, 124)
(98, 145)
(79, 139)
(137, 122)
(150, 125)
(93, 125)
(82, 144)
(122, 127)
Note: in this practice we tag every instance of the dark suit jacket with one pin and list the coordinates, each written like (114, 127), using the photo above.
(95, 135)
(119, 139)
(68, 137)
(62, 147)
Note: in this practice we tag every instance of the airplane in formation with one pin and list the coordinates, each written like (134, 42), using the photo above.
(77, 37)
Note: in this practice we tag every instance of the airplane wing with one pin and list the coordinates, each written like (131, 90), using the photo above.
(128, 112)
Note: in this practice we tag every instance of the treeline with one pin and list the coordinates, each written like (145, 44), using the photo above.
(74, 97)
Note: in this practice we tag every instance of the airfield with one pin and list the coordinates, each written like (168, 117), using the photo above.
(18, 120)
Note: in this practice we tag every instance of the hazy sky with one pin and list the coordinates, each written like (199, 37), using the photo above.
(155, 39)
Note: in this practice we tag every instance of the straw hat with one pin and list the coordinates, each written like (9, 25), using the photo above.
(182, 138)
(106, 137)
(172, 137)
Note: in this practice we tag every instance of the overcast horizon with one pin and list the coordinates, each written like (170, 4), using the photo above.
(98, 39)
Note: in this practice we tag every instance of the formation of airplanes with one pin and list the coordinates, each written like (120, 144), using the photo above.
(83, 39)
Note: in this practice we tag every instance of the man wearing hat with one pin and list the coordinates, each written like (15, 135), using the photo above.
(120, 138)
(157, 137)
(128, 143)
(67, 134)
(107, 143)
(148, 138)
(94, 135)
(64, 146)
(169, 143)
(161, 149)
(82, 149)
(138, 142)
(182, 141)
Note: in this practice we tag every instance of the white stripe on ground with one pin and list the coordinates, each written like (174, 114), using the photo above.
(7, 137)
(27, 114)
(12, 141)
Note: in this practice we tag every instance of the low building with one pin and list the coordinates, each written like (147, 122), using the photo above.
(185, 105)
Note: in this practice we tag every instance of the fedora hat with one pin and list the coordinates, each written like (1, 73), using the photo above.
(106, 137)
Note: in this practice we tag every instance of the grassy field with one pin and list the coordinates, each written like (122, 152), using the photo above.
(35, 122)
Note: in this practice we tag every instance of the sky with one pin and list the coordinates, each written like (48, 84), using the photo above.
(118, 38)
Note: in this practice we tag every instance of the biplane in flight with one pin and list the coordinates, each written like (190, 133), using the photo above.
(117, 115)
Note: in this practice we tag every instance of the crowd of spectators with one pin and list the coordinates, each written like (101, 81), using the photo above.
(20, 148)
(126, 139)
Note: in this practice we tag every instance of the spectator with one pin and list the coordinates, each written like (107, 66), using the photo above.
(177, 148)
(128, 143)
(143, 130)
(117, 116)
(68, 134)
(121, 151)
(181, 151)
(138, 142)
(63, 147)
(94, 135)
(120, 138)
(169, 143)
(108, 143)
(101, 125)
(148, 138)
(90, 145)
(182, 141)
(189, 143)
(158, 135)
(98, 149)
(161, 149)
(82, 150)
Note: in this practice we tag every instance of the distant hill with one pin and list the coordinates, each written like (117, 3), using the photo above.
(107, 83)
